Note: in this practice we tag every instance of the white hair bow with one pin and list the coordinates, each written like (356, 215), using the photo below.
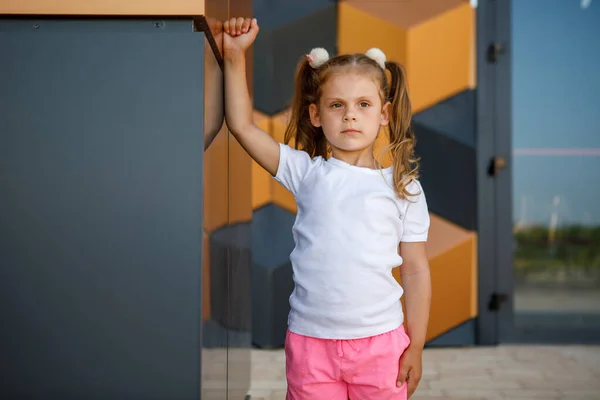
(319, 56)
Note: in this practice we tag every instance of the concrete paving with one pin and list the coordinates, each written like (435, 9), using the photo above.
(485, 373)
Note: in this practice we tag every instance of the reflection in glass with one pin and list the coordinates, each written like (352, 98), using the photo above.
(226, 327)
(216, 193)
(239, 323)
(213, 80)
(556, 175)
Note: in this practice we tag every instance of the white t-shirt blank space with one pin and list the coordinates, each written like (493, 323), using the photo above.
(347, 231)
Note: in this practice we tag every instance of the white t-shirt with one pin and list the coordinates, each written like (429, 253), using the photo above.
(347, 231)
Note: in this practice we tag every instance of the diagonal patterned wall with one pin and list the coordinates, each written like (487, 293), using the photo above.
(432, 38)
(435, 41)
(288, 28)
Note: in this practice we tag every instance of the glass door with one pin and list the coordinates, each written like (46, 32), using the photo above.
(554, 104)
(226, 316)
(215, 263)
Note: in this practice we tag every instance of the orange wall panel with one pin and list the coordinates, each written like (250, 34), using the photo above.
(280, 195)
(405, 14)
(474, 278)
(283, 198)
(265, 189)
(262, 121)
(103, 7)
(452, 254)
(240, 183)
(216, 191)
(227, 183)
(436, 43)
(434, 40)
(261, 186)
(473, 52)
(278, 126)
(384, 157)
(440, 57)
(453, 275)
(358, 31)
(261, 179)
(444, 235)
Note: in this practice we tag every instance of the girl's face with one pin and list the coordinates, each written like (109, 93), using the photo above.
(350, 111)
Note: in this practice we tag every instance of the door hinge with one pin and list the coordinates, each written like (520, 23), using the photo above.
(494, 51)
(496, 164)
(496, 299)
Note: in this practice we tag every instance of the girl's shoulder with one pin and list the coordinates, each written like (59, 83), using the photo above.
(413, 190)
(412, 185)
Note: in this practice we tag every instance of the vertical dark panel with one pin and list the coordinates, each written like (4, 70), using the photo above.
(487, 323)
(101, 211)
(504, 190)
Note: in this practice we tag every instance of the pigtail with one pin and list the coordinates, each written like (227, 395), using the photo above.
(402, 138)
(299, 129)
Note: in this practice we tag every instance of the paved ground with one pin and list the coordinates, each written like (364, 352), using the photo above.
(576, 300)
(490, 373)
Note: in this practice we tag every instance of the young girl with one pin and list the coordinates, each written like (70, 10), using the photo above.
(356, 221)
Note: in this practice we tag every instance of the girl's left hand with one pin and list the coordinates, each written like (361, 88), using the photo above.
(411, 368)
(240, 33)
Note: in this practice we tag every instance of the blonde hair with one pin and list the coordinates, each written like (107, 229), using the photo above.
(308, 83)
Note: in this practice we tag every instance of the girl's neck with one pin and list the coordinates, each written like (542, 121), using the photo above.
(359, 158)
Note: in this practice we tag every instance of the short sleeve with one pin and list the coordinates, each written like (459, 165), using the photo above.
(416, 218)
(293, 167)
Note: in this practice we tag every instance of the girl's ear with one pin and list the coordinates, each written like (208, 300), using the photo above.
(385, 113)
(315, 119)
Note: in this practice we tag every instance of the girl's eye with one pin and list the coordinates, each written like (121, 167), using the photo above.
(364, 104)
(336, 105)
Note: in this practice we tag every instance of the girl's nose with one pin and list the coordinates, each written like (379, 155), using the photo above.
(349, 116)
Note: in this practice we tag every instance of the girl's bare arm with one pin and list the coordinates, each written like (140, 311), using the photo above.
(239, 35)
(416, 281)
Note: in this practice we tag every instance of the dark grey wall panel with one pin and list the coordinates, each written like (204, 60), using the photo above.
(453, 117)
(448, 176)
(101, 158)
(229, 328)
(230, 258)
(462, 335)
(272, 240)
(272, 282)
(277, 53)
(272, 14)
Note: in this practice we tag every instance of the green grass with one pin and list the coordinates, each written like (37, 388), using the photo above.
(573, 247)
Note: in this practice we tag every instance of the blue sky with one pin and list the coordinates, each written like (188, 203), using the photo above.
(556, 105)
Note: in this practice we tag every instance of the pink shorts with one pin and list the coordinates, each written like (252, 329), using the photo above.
(341, 369)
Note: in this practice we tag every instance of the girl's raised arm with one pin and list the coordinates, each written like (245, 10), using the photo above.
(240, 33)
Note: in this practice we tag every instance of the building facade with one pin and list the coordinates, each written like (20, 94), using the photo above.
(143, 253)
